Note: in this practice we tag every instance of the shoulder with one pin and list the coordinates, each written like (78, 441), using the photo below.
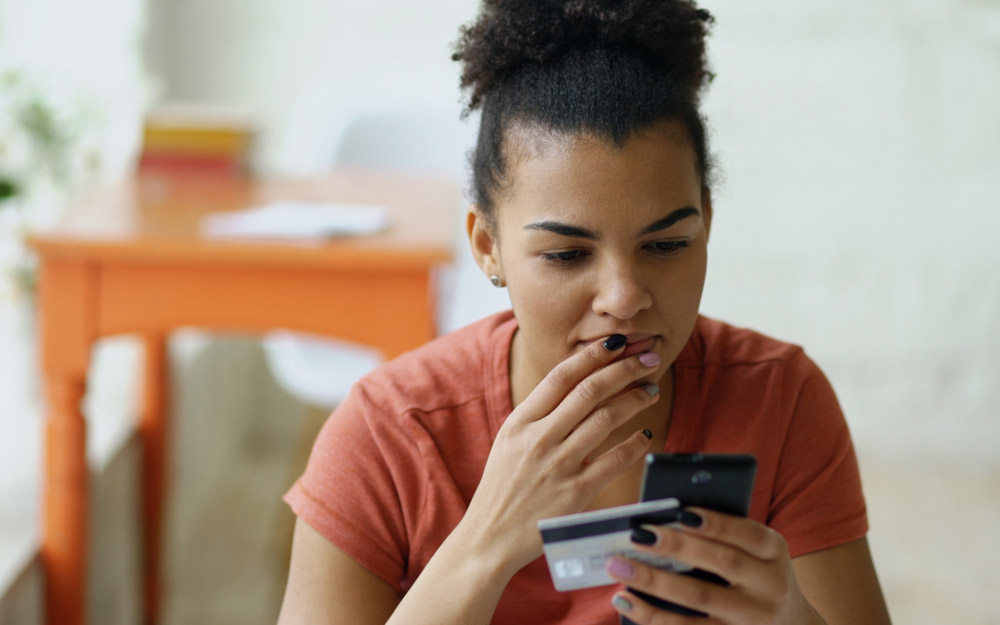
(450, 370)
(741, 391)
(744, 367)
(716, 343)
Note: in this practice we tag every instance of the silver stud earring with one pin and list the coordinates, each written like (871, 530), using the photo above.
(496, 281)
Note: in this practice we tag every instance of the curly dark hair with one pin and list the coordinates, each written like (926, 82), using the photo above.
(605, 67)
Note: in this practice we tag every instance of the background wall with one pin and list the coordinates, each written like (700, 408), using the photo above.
(861, 149)
(858, 143)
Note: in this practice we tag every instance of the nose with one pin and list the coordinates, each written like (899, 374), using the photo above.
(621, 291)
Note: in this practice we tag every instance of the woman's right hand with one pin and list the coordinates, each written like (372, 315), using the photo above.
(541, 463)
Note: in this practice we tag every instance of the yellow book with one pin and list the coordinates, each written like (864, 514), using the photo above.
(197, 130)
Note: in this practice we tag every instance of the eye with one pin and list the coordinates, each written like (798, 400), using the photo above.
(564, 258)
(667, 248)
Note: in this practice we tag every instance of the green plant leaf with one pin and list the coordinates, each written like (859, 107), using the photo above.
(7, 189)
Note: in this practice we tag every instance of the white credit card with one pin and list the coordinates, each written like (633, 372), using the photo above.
(577, 546)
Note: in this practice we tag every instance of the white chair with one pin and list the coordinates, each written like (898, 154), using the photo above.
(317, 370)
(415, 136)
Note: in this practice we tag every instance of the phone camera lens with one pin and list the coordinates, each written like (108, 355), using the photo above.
(701, 478)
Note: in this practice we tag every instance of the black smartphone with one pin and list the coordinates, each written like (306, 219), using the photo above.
(721, 482)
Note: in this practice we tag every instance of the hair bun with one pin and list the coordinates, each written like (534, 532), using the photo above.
(510, 33)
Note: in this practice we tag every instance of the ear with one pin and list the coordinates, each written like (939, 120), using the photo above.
(706, 211)
(483, 242)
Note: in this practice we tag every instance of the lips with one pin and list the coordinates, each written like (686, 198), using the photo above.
(639, 346)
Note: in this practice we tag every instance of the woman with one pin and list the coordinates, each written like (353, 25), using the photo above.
(592, 183)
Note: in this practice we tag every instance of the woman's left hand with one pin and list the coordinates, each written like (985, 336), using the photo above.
(750, 556)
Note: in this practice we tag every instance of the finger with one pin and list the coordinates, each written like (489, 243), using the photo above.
(730, 562)
(612, 462)
(642, 613)
(746, 534)
(565, 376)
(607, 417)
(598, 388)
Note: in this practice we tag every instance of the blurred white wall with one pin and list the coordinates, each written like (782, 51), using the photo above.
(279, 57)
(859, 145)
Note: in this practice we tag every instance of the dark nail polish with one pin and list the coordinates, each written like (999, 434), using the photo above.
(614, 342)
(648, 434)
(643, 537)
(690, 519)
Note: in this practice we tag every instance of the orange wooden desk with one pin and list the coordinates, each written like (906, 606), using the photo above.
(132, 261)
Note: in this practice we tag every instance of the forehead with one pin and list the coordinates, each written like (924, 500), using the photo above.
(591, 180)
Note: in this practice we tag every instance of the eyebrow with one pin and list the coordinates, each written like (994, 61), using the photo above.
(669, 220)
(577, 232)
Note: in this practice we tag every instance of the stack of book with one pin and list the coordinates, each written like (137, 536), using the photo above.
(197, 138)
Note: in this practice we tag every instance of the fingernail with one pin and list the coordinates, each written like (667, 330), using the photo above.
(690, 519)
(650, 359)
(652, 389)
(642, 536)
(648, 434)
(621, 603)
(620, 568)
(614, 342)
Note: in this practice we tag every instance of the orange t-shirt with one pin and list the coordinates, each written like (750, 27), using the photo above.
(395, 466)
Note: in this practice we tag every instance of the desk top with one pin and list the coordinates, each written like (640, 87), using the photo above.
(155, 218)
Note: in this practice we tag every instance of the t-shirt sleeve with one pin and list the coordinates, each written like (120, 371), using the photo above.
(348, 492)
(817, 500)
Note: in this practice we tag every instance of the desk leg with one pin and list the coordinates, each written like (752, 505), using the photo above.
(64, 539)
(152, 433)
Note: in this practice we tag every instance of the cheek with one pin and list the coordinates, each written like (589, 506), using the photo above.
(679, 293)
(694, 275)
(698, 274)
(548, 305)
(693, 287)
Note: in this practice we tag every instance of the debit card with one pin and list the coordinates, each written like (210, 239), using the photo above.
(577, 546)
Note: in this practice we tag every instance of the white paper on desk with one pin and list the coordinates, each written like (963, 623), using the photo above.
(297, 219)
